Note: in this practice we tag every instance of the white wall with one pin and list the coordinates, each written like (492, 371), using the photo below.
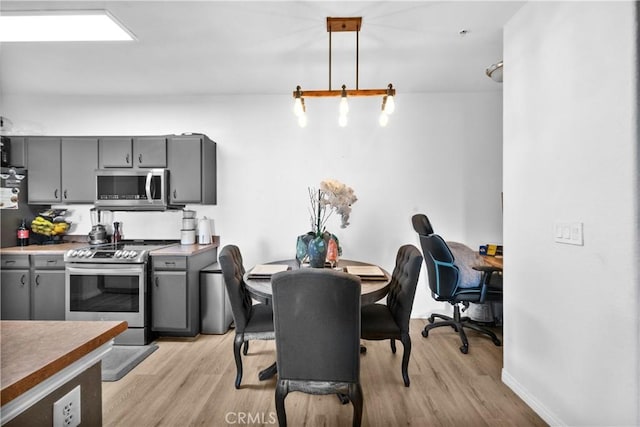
(571, 335)
(440, 154)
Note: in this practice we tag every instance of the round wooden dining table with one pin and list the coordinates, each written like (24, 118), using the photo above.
(370, 291)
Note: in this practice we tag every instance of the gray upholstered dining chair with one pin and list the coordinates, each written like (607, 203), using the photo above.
(391, 321)
(252, 321)
(317, 325)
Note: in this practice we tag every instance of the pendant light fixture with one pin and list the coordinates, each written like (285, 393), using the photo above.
(388, 94)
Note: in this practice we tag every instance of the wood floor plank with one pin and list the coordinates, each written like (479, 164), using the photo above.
(190, 383)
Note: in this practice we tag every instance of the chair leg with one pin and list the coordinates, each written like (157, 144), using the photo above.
(406, 343)
(427, 328)
(246, 348)
(485, 331)
(237, 343)
(393, 345)
(282, 389)
(355, 395)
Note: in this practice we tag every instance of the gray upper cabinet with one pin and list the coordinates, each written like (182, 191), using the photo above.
(115, 152)
(60, 169)
(192, 169)
(45, 168)
(138, 152)
(18, 153)
(79, 162)
(150, 152)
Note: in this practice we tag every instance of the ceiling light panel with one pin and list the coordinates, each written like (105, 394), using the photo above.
(57, 26)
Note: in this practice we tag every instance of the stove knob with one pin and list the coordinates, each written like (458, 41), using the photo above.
(118, 253)
(71, 253)
(132, 254)
(88, 253)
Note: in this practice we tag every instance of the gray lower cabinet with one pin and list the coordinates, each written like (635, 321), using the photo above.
(32, 289)
(169, 301)
(47, 287)
(175, 292)
(16, 294)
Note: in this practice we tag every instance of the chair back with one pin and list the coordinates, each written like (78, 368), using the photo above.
(402, 288)
(317, 325)
(230, 260)
(443, 274)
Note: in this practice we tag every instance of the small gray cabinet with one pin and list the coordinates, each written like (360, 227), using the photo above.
(192, 169)
(127, 152)
(15, 287)
(47, 287)
(60, 169)
(175, 292)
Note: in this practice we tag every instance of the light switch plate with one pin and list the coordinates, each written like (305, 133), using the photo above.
(570, 233)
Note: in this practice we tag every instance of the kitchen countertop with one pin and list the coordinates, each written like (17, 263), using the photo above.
(32, 351)
(59, 249)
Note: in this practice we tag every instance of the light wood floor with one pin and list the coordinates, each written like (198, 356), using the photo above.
(190, 382)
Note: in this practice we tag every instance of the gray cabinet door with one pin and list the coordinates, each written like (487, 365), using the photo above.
(150, 152)
(185, 169)
(79, 162)
(43, 157)
(48, 295)
(169, 301)
(115, 152)
(18, 154)
(15, 294)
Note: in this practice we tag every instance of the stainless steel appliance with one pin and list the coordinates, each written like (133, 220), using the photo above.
(111, 282)
(99, 220)
(132, 189)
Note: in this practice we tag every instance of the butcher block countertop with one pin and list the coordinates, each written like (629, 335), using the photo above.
(32, 351)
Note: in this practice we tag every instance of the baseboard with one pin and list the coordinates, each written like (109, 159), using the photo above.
(548, 416)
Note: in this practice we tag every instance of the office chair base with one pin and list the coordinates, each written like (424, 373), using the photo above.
(458, 324)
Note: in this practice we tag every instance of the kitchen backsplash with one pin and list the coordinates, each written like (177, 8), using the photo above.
(134, 224)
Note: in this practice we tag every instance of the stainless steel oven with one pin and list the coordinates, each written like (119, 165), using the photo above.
(110, 282)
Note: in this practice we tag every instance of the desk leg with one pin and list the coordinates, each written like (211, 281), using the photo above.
(269, 372)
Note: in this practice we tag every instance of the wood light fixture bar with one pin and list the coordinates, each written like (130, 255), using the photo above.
(344, 25)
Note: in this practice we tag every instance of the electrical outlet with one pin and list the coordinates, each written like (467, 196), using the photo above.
(66, 410)
(569, 232)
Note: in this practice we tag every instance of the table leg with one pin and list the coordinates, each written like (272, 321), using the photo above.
(269, 372)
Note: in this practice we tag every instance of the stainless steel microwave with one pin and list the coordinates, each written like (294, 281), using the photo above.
(132, 189)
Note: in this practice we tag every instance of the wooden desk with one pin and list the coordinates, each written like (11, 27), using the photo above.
(371, 290)
(494, 261)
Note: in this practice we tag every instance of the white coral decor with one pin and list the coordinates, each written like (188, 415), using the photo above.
(332, 196)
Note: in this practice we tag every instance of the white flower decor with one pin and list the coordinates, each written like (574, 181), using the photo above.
(333, 196)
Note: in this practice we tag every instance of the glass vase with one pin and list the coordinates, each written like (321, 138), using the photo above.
(317, 251)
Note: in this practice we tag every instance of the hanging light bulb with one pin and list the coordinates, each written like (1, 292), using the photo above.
(390, 103)
(344, 105)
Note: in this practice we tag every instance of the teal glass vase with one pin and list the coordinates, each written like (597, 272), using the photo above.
(317, 251)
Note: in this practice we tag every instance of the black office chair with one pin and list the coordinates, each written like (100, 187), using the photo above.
(317, 324)
(391, 321)
(252, 321)
(447, 285)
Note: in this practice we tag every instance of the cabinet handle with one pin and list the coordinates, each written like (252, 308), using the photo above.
(174, 194)
(168, 263)
(9, 262)
(156, 282)
(52, 261)
(55, 193)
(64, 193)
(22, 280)
(127, 158)
(140, 158)
(38, 280)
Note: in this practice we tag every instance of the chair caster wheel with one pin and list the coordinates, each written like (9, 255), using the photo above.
(425, 333)
(464, 349)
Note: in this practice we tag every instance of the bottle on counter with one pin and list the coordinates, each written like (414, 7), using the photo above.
(116, 232)
(23, 234)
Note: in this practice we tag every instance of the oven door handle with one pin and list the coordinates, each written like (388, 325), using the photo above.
(110, 271)
(147, 187)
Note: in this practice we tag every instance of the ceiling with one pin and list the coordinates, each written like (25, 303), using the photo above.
(264, 47)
